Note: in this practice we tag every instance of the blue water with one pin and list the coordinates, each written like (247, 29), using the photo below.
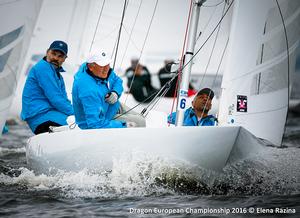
(264, 185)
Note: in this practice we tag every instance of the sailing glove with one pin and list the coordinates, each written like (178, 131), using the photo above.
(111, 98)
(130, 124)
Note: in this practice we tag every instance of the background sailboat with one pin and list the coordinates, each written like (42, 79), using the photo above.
(74, 14)
(17, 22)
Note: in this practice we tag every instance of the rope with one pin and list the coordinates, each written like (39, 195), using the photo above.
(157, 101)
(196, 53)
(147, 34)
(119, 35)
(132, 42)
(182, 55)
(221, 60)
(207, 6)
(218, 24)
(288, 62)
(219, 66)
(213, 83)
(131, 31)
(206, 25)
(212, 50)
(153, 94)
(98, 21)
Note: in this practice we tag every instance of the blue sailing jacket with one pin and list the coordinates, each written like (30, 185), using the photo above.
(44, 96)
(88, 94)
(190, 119)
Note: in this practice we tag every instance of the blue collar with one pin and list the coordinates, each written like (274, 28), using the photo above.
(193, 114)
(58, 70)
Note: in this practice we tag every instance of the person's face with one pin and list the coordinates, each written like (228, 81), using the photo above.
(138, 70)
(100, 71)
(56, 57)
(202, 103)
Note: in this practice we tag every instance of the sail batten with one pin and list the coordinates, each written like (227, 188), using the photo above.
(255, 81)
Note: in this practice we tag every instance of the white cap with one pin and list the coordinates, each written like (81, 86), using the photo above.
(102, 58)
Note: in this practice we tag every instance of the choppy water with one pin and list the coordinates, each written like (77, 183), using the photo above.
(147, 187)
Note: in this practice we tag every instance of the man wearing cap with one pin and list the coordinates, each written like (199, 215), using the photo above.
(44, 99)
(95, 94)
(197, 115)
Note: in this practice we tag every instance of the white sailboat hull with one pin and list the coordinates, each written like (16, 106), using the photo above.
(74, 150)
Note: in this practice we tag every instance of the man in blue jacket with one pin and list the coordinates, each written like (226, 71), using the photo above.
(197, 115)
(44, 100)
(95, 94)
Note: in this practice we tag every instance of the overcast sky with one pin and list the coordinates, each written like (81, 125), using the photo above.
(75, 22)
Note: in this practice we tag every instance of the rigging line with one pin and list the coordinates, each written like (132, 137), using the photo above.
(212, 50)
(157, 101)
(147, 34)
(218, 70)
(288, 64)
(115, 45)
(98, 21)
(191, 57)
(131, 31)
(208, 6)
(119, 35)
(182, 55)
(136, 106)
(159, 96)
(116, 42)
(108, 35)
(196, 53)
(221, 57)
(221, 61)
(218, 24)
(114, 49)
(204, 28)
(71, 22)
(155, 93)
(133, 43)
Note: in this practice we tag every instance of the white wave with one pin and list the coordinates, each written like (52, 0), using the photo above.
(5, 151)
(131, 176)
(29, 179)
(138, 174)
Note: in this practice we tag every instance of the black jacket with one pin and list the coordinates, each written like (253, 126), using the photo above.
(141, 87)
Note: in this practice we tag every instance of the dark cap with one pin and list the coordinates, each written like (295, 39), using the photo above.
(207, 91)
(59, 46)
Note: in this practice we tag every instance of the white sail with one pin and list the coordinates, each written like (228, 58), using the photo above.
(17, 23)
(72, 30)
(255, 81)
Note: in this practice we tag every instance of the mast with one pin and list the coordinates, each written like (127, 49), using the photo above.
(183, 92)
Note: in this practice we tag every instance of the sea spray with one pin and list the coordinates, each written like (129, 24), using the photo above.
(138, 174)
